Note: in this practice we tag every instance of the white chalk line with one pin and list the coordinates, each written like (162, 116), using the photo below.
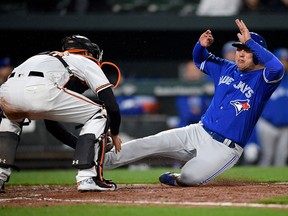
(147, 202)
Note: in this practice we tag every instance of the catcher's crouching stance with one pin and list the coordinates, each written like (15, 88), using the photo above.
(89, 157)
(49, 86)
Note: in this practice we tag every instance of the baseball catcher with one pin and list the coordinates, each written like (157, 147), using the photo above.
(49, 86)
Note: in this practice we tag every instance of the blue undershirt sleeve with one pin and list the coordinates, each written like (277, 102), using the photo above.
(274, 68)
(199, 54)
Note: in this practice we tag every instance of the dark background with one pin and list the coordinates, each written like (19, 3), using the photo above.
(127, 45)
(137, 43)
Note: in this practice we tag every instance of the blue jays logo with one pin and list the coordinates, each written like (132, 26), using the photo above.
(240, 105)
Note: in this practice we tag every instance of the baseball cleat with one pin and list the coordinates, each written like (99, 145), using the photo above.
(169, 178)
(2, 186)
(93, 184)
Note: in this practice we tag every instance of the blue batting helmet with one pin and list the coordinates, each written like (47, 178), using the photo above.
(258, 39)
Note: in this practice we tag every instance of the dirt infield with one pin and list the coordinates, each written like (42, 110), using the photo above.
(235, 193)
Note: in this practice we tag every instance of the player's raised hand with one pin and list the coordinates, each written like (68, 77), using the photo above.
(244, 34)
(206, 39)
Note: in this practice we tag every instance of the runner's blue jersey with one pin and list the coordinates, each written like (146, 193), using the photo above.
(239, 97)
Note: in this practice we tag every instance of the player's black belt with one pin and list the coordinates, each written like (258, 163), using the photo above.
(36, 73)
(220, 138)
(31, 73)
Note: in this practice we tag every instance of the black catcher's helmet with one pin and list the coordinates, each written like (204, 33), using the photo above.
(78, 42)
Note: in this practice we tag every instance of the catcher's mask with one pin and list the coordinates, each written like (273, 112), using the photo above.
(78, 43)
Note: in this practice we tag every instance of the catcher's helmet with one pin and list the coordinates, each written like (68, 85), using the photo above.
(256, 37)
(79, 42)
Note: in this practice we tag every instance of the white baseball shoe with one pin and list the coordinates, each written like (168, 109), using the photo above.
(93, 184)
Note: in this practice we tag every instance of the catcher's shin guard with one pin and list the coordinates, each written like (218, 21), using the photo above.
(84, 152)
(9, 142)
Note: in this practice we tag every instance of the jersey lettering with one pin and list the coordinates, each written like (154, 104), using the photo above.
(225, 80)
(245, 89)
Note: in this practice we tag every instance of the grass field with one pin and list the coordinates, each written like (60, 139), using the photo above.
(150, 176)
(139, 211)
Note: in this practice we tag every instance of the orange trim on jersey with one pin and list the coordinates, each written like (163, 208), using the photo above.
(77, 96)
(118, 72)
(103, 86)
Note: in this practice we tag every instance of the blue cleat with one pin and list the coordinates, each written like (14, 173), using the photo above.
(169, 178)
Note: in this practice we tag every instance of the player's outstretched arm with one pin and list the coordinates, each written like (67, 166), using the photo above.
(200, 53)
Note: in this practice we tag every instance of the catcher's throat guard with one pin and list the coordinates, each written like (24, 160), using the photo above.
(112, 73)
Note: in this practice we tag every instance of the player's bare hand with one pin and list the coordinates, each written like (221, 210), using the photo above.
(206, 39)
(117, 143)
(244, 34)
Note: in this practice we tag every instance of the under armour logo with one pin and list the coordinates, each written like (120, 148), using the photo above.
(2, 160)
(75, 162)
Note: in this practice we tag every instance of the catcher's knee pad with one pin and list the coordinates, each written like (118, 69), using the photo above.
(8, 126)
(84, 152)
(8, 145)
